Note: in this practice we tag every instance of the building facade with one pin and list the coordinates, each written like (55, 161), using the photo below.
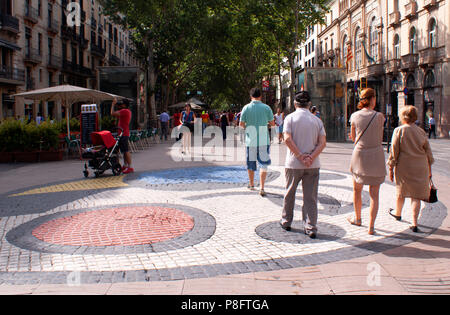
(400, 48)
(40, 49)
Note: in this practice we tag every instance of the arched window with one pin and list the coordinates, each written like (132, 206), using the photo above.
(413, 41)
(432, 34)
(344, 49)
(397, 47)
(411, 82)
(429, 80)
(358, 44)
(373, 39)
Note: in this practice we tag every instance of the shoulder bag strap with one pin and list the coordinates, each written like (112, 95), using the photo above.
(359, 138)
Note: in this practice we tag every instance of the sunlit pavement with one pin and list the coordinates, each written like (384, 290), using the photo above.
(192, 227)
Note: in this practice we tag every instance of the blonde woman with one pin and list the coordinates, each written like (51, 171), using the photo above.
(409, 164)
(368, 162)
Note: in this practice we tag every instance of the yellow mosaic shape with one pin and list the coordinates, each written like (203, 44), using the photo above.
(88, 184)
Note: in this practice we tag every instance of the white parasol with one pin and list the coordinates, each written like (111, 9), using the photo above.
(68, 95)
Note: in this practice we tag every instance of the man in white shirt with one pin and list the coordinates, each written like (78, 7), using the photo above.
(305, 138)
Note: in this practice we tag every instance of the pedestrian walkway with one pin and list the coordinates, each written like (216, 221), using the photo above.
(169, 230)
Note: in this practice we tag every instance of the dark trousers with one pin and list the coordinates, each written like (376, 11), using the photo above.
(164, 130)
(432, 131)
(224, 132)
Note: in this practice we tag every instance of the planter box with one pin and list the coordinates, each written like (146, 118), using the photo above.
(26, 157)
(51, 156)
(6, 157)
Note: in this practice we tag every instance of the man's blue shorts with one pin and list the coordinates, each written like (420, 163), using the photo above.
(258, 154)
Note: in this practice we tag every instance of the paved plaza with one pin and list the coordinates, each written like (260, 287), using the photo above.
(193, 227)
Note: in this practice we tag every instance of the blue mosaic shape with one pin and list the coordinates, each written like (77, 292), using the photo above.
(205, 175)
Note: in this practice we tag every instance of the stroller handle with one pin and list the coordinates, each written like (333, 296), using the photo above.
(121, 131)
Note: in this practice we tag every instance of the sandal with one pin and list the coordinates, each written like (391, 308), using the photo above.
(415, 229)
(355, 222)
(371, 231)
(252, 188)
(398, 218)
(262, 193)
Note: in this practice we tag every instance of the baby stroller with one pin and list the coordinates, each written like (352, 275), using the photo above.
(104, 155)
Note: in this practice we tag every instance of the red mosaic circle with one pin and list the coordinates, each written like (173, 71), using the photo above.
(126, 226)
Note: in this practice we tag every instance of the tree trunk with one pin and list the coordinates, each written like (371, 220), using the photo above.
(167, 97)
(280, 79)
(174, 95)
(152, 79)
(292, 85)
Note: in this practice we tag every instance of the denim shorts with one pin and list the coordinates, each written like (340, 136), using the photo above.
(258, 154)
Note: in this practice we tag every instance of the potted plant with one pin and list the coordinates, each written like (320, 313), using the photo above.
(28, 141)
(10, 135)
(49, 143)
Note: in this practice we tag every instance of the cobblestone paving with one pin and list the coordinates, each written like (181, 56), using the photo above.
(235, 231)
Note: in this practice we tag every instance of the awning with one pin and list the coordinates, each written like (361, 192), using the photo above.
(6, 44)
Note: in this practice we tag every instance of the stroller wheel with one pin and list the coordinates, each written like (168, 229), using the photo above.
(86, 174)
(117, 170)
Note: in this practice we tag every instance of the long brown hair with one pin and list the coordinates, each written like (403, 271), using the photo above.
(366, 97)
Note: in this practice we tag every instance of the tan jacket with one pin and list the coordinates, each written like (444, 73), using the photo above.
(410, 157)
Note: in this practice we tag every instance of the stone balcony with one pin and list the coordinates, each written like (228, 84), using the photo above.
(427, 57)
(12, 75)
(375, 69)
(97, 51)
(394, 19)
(411, 10)
(429, 4)
(9, 23)
(114, 60)
(33, 56)
(393, 66)
(409, 62)
(53, 26)
(54, 62)
(31, 14)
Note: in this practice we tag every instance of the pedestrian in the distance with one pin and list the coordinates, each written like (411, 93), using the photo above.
(279, 122)
(205, 121)
(164, 118)
(409, 164)
(432, 125)
(254, 119)
(368, 164)
(315, 112)
(224, 123)
(305, 138)
(39, 119)
(187, 118)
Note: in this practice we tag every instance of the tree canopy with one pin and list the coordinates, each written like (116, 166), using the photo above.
(220, 47)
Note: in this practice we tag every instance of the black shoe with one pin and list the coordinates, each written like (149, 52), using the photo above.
(415, 229)
(286, 228)
(312, 235)
(393, 215)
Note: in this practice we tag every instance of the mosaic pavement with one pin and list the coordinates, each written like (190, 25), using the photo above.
(183, 224)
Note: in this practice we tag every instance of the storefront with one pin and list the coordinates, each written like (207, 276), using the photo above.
(327, 89)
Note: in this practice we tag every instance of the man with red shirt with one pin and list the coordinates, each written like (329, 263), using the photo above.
(177, 122)
(124, 115)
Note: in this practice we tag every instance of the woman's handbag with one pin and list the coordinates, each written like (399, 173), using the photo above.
(433, 193)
